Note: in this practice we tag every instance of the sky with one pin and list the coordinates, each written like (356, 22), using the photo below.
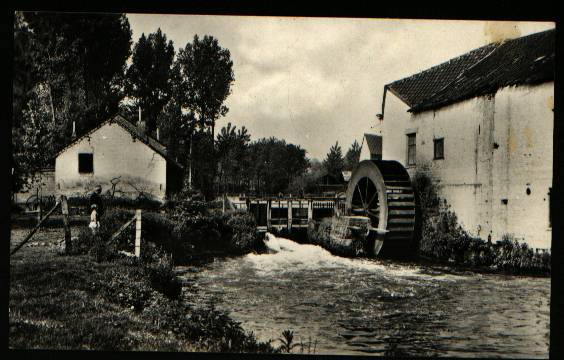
(318, 81)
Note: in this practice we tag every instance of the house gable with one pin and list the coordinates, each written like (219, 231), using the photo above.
(135, 132)
(117, 156)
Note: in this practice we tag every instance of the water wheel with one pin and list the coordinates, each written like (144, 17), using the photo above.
(381, 190)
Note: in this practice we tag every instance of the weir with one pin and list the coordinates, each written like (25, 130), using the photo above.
(380, 205)
(291, 213)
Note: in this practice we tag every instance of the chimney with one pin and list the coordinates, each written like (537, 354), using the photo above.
(73, 136)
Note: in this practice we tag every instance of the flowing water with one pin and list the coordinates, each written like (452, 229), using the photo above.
(357, 306)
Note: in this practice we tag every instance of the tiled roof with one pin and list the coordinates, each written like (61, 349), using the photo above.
(135, 132)
(525, 60)
(374, 143)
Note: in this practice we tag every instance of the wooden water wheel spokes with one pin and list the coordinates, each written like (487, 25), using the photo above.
(365, 201)
(381, 191)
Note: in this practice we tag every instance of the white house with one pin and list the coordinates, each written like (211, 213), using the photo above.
(481, 125)
(121, 153)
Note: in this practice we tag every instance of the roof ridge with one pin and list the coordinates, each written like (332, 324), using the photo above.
(434, 67)
(496, 46)
(481, 70)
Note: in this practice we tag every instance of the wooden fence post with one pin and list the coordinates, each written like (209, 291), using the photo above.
(138, 233)
(268, 215)
(309, 210)
(289, 215)
(38, 205)
(66, 222)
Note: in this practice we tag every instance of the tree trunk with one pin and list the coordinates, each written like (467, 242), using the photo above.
(190, 164)
(51, 103)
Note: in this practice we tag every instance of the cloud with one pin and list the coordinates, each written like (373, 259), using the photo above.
(315, 81)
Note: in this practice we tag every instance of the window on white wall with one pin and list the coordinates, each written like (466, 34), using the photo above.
(411, 149)
(85, 163)
(439, 149)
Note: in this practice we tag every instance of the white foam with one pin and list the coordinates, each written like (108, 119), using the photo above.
(288, 256)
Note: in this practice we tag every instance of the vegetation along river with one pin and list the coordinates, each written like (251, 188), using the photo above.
(359, 306)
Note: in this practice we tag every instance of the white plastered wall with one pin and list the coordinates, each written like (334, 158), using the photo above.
(116, 153)
(476, 174)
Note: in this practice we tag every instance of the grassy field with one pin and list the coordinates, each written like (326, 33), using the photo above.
(74, 302)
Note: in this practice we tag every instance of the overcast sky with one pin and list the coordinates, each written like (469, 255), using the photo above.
(315, 81)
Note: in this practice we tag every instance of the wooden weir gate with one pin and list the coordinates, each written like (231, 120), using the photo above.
(292, 213)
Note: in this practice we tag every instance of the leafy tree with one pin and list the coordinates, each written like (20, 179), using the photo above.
(307, 182)
(149, 80)
(231, 145)
(82, 58)
(66, 67)
(206, 75)
(352, 156)
(24, 75)
(334, 162)
(274, 164)
(34, 142)
(203, 163)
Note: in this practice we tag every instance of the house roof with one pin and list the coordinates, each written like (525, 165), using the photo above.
(151, 142)
(525, 60)
(374, 143)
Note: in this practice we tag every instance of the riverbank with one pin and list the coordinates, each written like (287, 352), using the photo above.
(76, 302)
(444, 244)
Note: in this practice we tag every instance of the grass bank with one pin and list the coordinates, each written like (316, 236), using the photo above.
(110, 302)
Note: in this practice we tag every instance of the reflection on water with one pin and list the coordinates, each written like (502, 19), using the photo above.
(355, 306)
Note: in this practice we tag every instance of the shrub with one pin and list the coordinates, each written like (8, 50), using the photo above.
(244, 236)
(186, 235)
(163, 279)
(443, 239)
(142, 202)
(126, 286)
(210, 329)
(185, 232)
(318, 231)
(426, 192)
(519, 258)
(97, 244)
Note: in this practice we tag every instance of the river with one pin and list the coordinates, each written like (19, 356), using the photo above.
(339, 305)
